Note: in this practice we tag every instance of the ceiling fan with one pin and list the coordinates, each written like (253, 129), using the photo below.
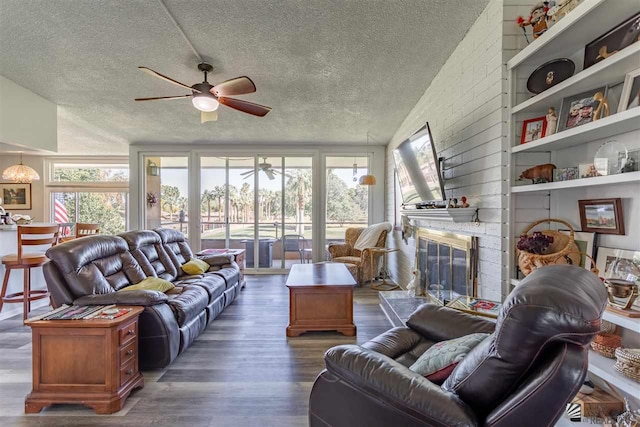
(206, 97)
(263, 167)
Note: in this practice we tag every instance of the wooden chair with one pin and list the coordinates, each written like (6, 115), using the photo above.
(83, 230)
(28, 236)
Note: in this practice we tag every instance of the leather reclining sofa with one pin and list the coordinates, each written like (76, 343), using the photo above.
(90, 271)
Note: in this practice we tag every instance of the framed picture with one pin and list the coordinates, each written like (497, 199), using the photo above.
(618, 264)
(602, 216)
(585, 242)
(533, 129)
(630, 97)
(612, 41)
(632, 162)
(578, 109)
(587, 170)
(565, 174)
(16, 196)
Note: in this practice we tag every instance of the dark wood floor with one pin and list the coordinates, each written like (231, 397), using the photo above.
(241, 372)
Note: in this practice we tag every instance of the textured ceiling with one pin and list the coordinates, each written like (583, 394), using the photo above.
(331, 70)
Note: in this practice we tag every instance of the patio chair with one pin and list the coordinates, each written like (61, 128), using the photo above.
(294, 243)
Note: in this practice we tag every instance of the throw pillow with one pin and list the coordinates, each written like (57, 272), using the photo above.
(437, 363)
(151, 284)
(195, 266)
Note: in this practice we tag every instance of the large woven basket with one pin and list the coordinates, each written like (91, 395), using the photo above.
(628, 362)
(563, 250)
(606, 344)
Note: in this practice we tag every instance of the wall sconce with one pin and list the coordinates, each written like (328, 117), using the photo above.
(152, 169)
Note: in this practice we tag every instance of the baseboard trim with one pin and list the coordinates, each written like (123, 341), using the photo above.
(34, 305)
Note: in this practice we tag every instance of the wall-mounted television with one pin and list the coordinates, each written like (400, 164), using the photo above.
(418, 169)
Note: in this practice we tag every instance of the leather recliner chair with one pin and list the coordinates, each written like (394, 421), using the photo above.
(523, 374)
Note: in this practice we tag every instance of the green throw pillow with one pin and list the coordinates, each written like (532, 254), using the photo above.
(437, 363)
(151, 284)
(195, 266)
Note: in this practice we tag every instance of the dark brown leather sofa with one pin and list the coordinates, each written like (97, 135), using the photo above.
(522, 375)
(90, 271)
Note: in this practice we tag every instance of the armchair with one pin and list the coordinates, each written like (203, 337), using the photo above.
(348, 254)
(523, 374)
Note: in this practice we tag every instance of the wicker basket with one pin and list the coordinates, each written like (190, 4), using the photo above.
(563, 250)
(569, 260)
(628, 362)
(606, 344)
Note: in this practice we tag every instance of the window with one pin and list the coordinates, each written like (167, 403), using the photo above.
(86, 192)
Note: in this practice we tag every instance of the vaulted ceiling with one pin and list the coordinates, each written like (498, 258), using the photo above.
(331, 69)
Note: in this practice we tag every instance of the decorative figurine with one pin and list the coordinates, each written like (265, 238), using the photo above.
(559, 9)
(552, 122)
(602, 110)
(537, 19)
(464, 204)
(411, 286)
(539, 174)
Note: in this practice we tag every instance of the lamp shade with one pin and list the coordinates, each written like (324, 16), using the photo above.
(21, 174)
(367, 180)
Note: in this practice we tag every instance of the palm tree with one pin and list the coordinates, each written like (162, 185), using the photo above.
(207, 198)
(219, 193)
(299, 188)
(233, 203)
(246, 199)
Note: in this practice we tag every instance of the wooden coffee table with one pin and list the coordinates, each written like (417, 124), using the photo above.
(320, 299)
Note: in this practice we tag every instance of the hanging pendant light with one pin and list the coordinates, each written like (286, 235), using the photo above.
(20, 174)
(368, 179)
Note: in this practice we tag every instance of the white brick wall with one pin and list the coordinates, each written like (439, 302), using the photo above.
(465, 106)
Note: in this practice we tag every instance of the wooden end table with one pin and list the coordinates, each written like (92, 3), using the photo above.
(384, 286)
(320, 299)
(92, 362)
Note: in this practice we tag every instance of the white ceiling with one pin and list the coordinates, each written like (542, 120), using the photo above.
(331, 70)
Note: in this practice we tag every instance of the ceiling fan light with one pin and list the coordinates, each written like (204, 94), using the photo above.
(21, 174)
(204, 102)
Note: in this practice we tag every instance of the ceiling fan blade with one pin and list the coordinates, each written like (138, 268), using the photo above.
(248, 173)
(208, 116)
(167, 79)
(270, 174)
(237, 86)
(244, 106)
(163, 97)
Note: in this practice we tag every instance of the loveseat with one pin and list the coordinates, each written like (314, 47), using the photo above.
(92, 270)
(523, 374)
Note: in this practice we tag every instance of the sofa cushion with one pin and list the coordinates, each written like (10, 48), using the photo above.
(194, 266)
(146, 246)
(348, 259)
(212, 283)
(175, 246)
(189, 304)
(150, 284)
(231, 275)
(439, 360)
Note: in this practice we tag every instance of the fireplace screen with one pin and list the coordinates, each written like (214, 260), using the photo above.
(447, 264)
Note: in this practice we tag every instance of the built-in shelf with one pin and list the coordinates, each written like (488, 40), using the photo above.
(442, 214)
(625, 121)
(608, 71)
(602, 367)
(631, 323)
(621, 178)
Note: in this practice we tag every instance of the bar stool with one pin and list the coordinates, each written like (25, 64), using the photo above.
(27, 236)
(83, 230)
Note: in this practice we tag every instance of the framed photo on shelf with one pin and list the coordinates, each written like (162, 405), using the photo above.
(565, 174)
(585, 242)
(631, 163)
(612, 41)
(602, 216)
(618, 264)
(579, 109)
(15, 196)
(587, 170)
(533, 129)
(630, 97)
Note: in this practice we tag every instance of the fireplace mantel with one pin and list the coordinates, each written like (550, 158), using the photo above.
(442, 214)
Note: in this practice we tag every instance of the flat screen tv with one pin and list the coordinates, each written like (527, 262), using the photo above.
(418, 169)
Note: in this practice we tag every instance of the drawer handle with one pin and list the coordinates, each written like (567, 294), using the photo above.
(129, 353)
(131, 332)
(129, 372)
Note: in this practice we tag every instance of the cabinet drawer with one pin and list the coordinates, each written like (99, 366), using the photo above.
(127, 372)
(127, 353)
(128, 332)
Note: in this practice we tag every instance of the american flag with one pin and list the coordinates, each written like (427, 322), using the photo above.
(60, 215)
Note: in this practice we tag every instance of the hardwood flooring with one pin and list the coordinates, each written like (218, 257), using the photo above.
(242, 371)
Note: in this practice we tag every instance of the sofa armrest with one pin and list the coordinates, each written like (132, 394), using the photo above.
(216, 260)
(442, 323)
(141, 298)
(337, 250)
(394, 383)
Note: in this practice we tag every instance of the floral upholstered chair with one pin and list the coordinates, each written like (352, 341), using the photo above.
(348, 254)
